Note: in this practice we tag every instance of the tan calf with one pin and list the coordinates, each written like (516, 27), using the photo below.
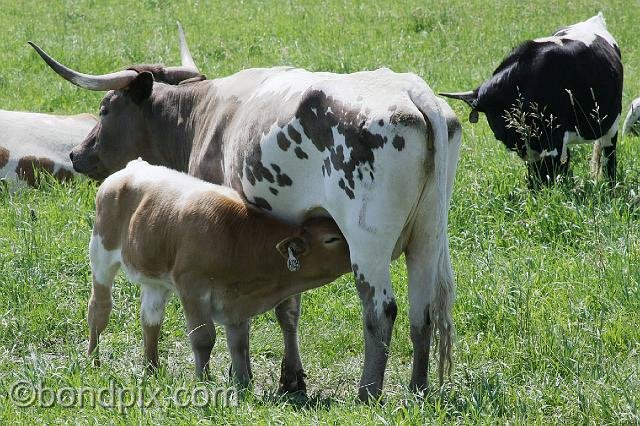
(226, 260)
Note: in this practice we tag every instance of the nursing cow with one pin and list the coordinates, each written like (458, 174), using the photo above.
(376, 151)
(552, 92)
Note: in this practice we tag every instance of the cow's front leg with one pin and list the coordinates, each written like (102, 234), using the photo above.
(379, 312)
(611, 161)
(291, 371)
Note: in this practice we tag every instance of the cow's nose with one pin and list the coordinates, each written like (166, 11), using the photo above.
(71, 155)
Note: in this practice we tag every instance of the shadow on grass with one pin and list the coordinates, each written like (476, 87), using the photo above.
(297, 400)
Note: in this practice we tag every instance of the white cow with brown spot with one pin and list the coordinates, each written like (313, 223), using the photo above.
(32, 142)
(226, 260)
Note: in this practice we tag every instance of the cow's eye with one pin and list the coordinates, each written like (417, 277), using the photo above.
(103, 111)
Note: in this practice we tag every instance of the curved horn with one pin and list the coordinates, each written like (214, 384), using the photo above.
(468, 97)
(185, 54)
(113, 81)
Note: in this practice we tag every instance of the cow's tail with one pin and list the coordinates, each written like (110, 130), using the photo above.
(440, 311)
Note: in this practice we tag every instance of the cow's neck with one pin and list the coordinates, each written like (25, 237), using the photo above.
(171, 124)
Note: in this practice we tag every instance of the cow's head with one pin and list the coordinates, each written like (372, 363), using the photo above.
(121, 133)
(523, 127)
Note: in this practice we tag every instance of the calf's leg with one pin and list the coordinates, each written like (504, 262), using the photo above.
(291, 371)
(200, 327)
(153, 302)
(104, 268)
(238, 344)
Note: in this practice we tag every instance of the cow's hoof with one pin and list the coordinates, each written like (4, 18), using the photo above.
(292, 382)
(369, 395)
(419, 388)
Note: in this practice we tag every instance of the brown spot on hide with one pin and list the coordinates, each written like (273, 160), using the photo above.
(283, 142)
(398, 142)
(294, 134)
(300, 153)
(64, 175)
(319, 114)
(262, 203)
(30, 167)
(4, 156)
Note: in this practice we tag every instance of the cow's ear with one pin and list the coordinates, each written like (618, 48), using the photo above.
(298, 247)
(141, 86)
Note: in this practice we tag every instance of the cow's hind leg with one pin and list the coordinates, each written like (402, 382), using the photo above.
(153, 301)
(610, 162)
(291, 372)
(604, 159)
(431, 294)
(104, 267)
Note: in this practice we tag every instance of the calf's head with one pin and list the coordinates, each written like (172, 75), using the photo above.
(318, 250)
(122, 132)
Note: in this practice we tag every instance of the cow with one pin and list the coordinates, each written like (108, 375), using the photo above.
(555, 91)
(33, 142)
(375, 150)
(631, 126)
(226, 260)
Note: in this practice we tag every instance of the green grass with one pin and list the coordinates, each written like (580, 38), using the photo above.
(548, 305)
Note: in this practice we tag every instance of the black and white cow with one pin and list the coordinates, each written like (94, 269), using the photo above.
(552, 92)
(377, 151)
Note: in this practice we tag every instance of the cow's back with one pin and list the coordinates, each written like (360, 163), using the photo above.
(290, 139)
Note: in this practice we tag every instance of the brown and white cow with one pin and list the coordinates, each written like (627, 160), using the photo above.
(376, 151)
(226, 260)
(33, 142)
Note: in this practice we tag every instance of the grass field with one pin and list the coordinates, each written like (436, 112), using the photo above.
(548, 305)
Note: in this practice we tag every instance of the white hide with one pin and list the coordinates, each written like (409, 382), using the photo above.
(42, 136)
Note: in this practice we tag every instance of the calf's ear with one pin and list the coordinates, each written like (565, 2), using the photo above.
(297, 245)
(141, 86)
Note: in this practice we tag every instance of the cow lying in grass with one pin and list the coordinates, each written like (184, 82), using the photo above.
(227, 261)
(33, 142)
